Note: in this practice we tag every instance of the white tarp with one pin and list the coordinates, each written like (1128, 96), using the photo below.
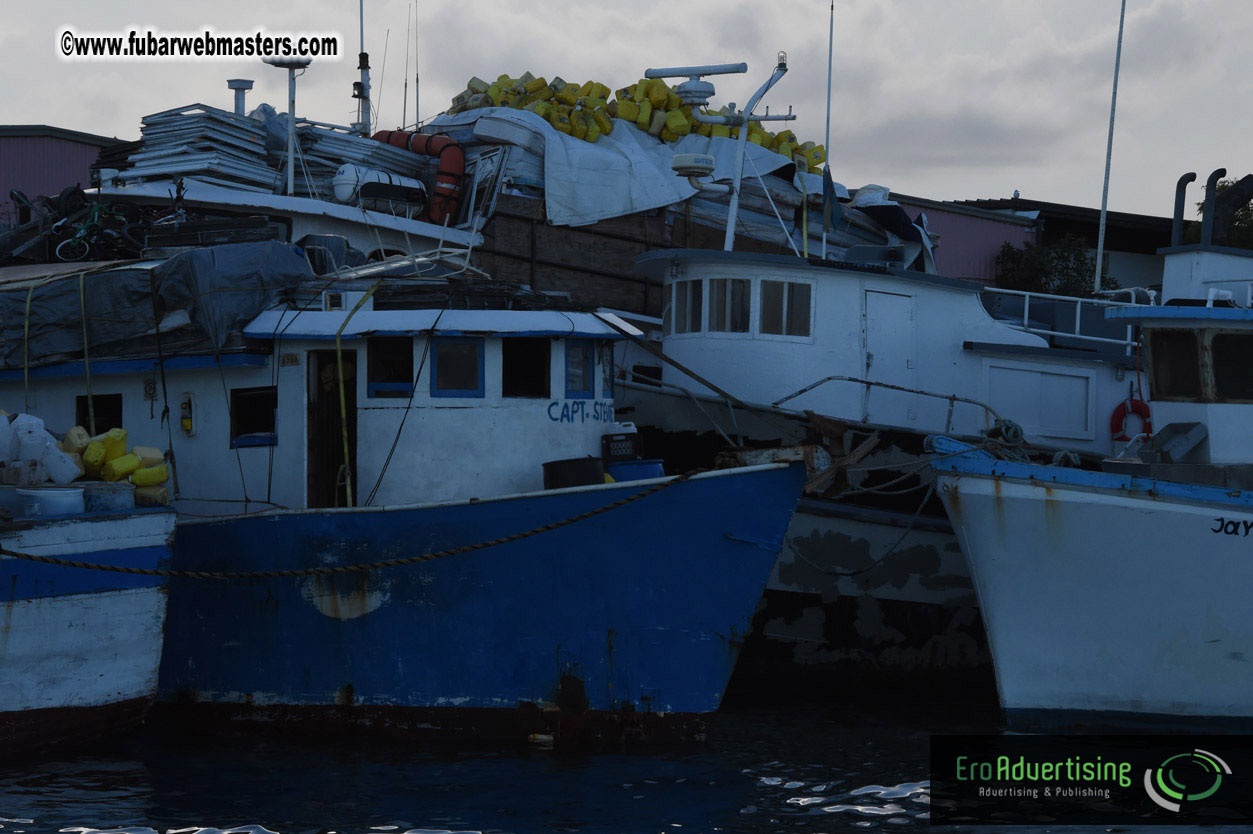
(625, 172)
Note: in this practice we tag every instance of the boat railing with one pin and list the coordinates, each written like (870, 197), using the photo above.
(1128, 343)
(952, 399)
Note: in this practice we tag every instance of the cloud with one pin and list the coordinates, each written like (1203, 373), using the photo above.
(940, 99)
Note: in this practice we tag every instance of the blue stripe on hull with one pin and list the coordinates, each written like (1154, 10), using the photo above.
(1085, 479)
(20, 579)
(644, 605)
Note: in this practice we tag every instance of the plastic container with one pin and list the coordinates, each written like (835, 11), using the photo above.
(101, 496)
(61, 467)
(150, 475)
(76, 440)
(51, 500)
(29, 437)
(119, 468)
(573, 472)
(93, 457)
(636, 470)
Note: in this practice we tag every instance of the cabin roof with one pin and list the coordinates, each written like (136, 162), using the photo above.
(317, 324)
(656, 266)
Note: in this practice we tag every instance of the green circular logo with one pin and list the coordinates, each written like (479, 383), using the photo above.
(1185, 778)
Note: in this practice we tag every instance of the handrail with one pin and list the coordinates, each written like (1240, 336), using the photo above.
(952, 399)
(1033, 294)
(1128, 343)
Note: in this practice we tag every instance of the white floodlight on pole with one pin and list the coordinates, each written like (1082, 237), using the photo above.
(291, 65)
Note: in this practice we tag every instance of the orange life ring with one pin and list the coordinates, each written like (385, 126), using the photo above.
(1118, 420)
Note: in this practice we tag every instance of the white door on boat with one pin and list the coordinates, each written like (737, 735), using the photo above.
(889, 336)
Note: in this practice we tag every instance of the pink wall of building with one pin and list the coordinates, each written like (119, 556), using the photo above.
(969, 241)
(41, 165)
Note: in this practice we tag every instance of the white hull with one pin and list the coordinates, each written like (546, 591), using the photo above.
(79, 649)
(83, 650)
(1099, 600)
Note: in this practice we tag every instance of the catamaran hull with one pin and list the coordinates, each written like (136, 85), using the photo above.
(79, 649)
(1108, 604)
(637, 611)
(864, 597)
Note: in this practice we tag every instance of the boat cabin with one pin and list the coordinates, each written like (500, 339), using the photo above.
(1197, 357)
(903, 349)
(417, 392)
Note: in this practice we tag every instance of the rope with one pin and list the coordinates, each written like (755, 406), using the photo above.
(82, 304)
(874, 564)
(25, 351)
(362, 568)
(343, 406)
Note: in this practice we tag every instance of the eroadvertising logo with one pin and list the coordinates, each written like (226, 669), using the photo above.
(1091, 780)
(1193, 777)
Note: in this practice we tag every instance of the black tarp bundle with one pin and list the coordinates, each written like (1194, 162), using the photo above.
(201, 298)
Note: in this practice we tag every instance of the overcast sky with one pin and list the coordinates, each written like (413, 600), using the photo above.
(945, 99)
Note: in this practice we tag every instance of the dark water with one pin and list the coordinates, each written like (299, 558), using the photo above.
(797, 770)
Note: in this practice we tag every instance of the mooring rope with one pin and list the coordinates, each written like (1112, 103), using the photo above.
(362, 568)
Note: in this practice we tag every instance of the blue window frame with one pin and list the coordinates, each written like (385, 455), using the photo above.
(456, 366)
(580, 369)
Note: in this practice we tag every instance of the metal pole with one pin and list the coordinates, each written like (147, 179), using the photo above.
(1109, 152)
(733, 208)
(404, 104)
(291, 131)
(827, 136)
(365, 76)
(417, 74)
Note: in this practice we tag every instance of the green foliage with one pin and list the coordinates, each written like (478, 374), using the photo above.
(1064, 267)
(1240, 233)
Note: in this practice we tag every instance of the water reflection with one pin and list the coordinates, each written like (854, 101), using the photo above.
(763, 772)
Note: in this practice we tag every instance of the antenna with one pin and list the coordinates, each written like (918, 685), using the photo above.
(404, 104)
(1109, 153)
(417, 63)
(826, 139)
(361, 89)
(696, 93)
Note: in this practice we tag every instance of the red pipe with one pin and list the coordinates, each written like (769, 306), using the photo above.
(452, 168)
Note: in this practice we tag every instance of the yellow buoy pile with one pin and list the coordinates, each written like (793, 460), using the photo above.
(105, 457)
(586, 111)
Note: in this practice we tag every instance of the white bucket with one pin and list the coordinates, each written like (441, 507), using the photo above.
(52, 500)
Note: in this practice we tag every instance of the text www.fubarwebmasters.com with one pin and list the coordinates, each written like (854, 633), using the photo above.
(150, 44)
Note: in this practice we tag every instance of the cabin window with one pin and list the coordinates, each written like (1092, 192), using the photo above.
(525, 367)
(108, 408)
(580, 366)
(1233, 366)
(389, 367)
(785, 308)
(684, 313)
(728, 304)
(1176, 365)
(457, 367)
(253, 417)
